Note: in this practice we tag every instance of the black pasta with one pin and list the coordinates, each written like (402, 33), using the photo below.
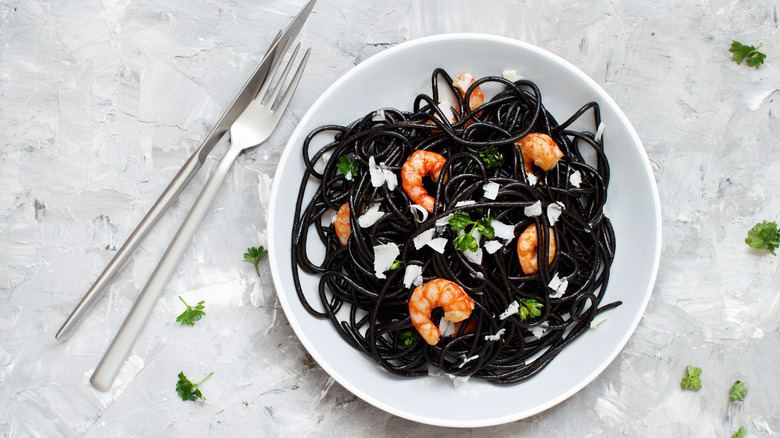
(372, 314)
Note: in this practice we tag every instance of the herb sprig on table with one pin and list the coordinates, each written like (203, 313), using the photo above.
(742, 52)
(191, 314)
(253, 256)
(764, 235)
(189, 391)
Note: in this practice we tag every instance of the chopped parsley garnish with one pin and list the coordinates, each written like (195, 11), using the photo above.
(189, 391)
(692, 381)
(738, 391)
(460, 221)
(491, 157)
(253, 255)
(348, 167)
(408, 337)
(751, 53)
(763, 235)
(529, 307)
(191, 314)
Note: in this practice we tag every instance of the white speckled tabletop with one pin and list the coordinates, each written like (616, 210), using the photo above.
(102, 102)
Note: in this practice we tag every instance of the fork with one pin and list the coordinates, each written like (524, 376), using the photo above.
(252, 128)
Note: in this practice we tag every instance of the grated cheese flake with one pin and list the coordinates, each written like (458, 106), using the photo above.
(597, 322)
(491, 246)
(503, 231)
(495, 337)
(420, 214)
(384, 256)
(413, 276)
(438, 244)
(575, 178)
(491, 190)
(554, 211)
(511, 75)
(423, 238)
(370, 216)
(534, 209)
(512, 309)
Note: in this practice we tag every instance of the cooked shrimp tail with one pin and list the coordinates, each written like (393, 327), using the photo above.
(455, 302)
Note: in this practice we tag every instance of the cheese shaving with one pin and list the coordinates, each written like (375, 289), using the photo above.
(511, 75)
(491, 190)
(370, 216)
(491, 246)
(512, 309)
(438, 244)
(384, 256)
(554, 212)
(575, 178)
(413, 276)
(423, 238)
(534, 209)
(495, 337)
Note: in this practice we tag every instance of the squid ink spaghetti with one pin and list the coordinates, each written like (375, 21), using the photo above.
(467, 235)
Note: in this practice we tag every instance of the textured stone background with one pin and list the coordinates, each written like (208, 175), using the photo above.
(102, 101)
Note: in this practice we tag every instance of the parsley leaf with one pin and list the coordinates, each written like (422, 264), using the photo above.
(766, 234)
(692, 381)
(396, 264)
(460, 221)
(349, 167)
(738, 391)
(191, 314)
(740, 433)
(491, 157)
(253, 255)
(408, 337)
(189, 391)
(751, 53)
(529, 307)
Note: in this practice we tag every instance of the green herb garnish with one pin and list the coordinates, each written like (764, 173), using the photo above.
(396, 264)
(529, 307)
(751, 53)
(491, 157)
(763, 235)
(738, 391)
(460, 221)
(692, 381)
(740, 433)
(253, 255)
(189, 391)
(408, 337)
(348, 167)
(191, 314)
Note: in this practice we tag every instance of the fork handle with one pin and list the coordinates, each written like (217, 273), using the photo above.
(120, 347)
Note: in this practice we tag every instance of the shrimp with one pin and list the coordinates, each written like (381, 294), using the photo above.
(341, 224)
(462, 83)
(442, 293)
(526, 250)
(539, 149)
(420, 164)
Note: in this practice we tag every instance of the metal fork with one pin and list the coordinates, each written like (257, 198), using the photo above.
(252, 127)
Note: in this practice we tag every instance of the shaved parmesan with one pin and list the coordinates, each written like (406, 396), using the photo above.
(534, 209)
(599, 132)
(467, 359)
(495, 337)
(381, 175)
(491, 246)
(473, 256)
(370, 216)
(446, 328)
(554, 212)
(539, 330)
(503, 231)
(532, 179)
(512, 309)
(384, 256)
(379, 116)
(491, 190)
(575, 178)
(559, 285)
(444, 220)
(464, 203)
(438, 244)
(420, 214)
(423, 238)
(597, 322)
(413, 276)
(511, 75)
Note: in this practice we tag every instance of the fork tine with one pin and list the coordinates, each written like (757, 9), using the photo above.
(285, 100)
(274, 67)
(283, 77)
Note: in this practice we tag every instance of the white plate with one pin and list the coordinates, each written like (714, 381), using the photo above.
(391, 79)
